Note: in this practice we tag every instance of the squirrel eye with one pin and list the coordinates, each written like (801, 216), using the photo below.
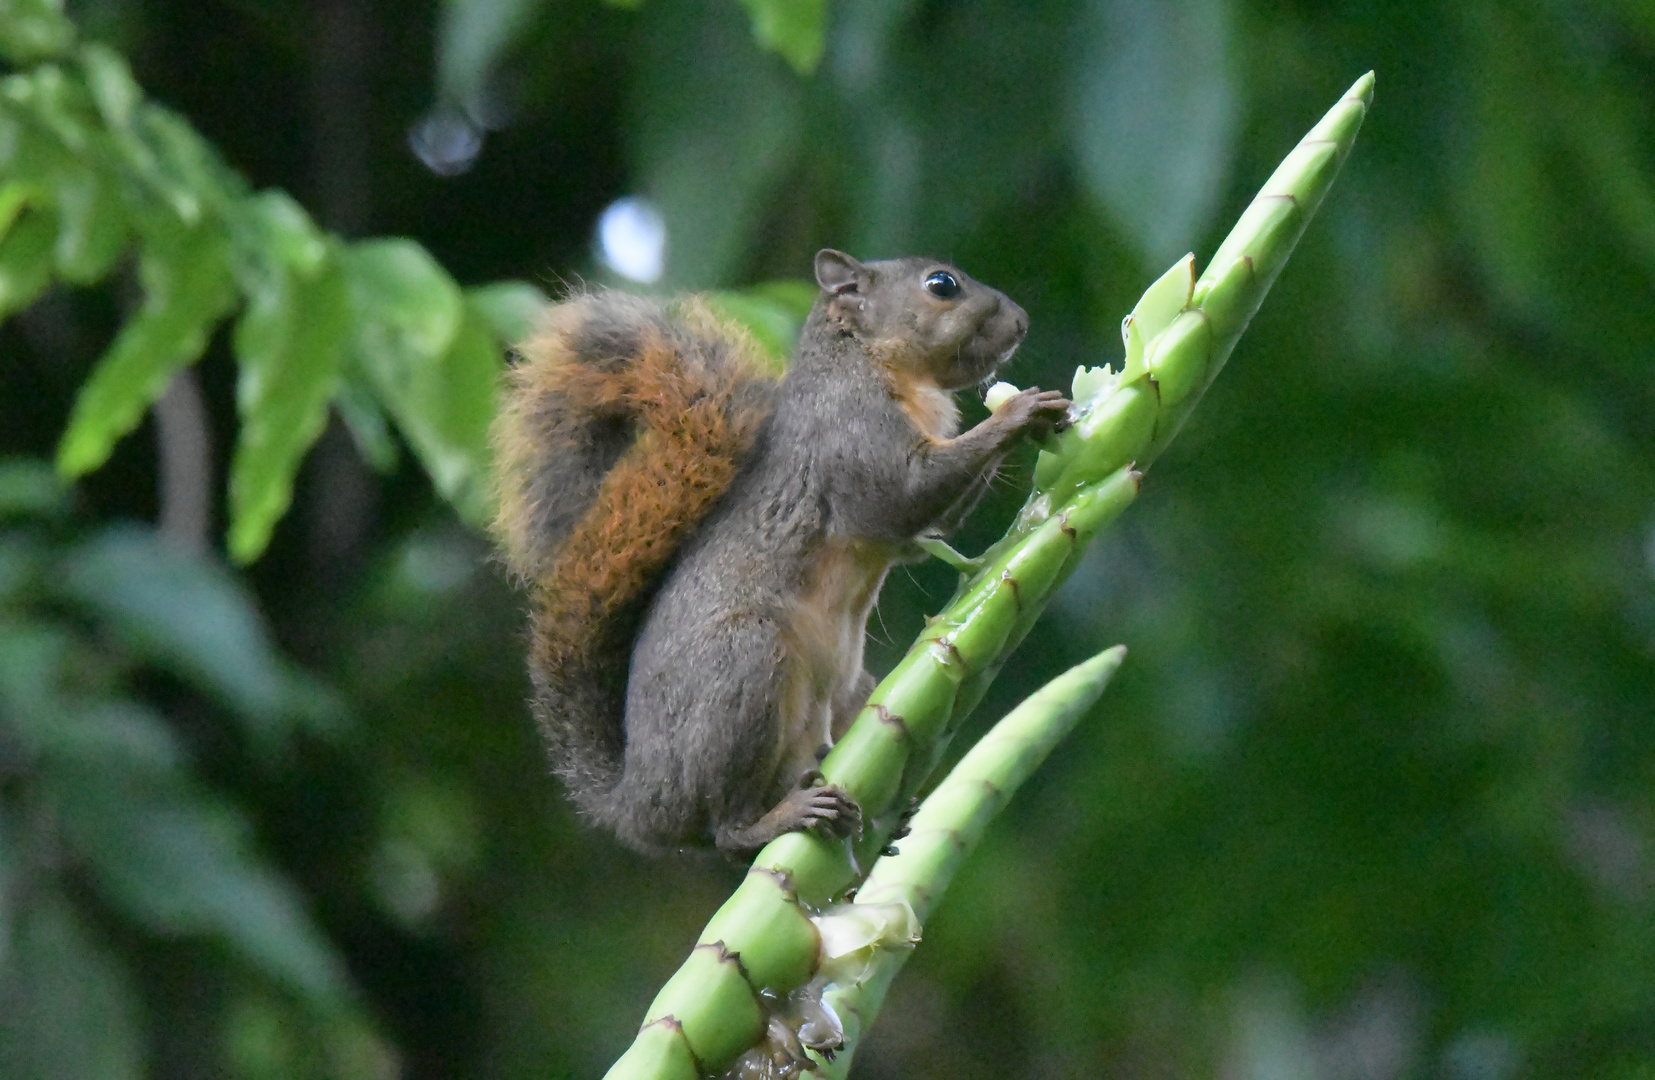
(942, 285)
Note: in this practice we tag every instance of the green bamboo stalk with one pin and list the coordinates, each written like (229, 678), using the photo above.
(761, 946)
(942, 835)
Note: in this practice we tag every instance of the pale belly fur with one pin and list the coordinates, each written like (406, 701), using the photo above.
(827, 630)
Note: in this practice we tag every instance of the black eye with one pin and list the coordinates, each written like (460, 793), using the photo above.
(942, 285)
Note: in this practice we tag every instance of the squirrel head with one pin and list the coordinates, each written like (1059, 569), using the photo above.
(923, 315)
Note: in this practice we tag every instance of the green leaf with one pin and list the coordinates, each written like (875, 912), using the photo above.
(446, 416)
(121, 738)
(794, 29)
(14, 198)
(29, 488)
(1153, 116)
(280, 230)
(407, 307)
(187, 289)
(795, 296)
(59, 102)
(290, 343)
(109, 80)
(176, 167)
(772, 313)
(511, 309)
(178, 863)
(26, 259)
(21, 560)
(186, 167)
(33, 660)
(70, 1010)
(29, 156)
(191, 159)
(192, 617)
(434, 364)
(366, 421)
(263, 1038)
(160, 149)
(34, 30)
(92, 226)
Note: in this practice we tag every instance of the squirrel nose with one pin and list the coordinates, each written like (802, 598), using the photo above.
(1019, 319)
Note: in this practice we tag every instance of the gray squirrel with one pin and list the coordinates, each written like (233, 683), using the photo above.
(703, 542)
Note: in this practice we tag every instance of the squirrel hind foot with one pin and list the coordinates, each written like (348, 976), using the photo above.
(826, 810)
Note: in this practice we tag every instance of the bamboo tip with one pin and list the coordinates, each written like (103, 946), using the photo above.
(1363, 89)
(1098, 669)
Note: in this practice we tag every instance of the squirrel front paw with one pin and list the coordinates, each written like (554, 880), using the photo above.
(1036, 411)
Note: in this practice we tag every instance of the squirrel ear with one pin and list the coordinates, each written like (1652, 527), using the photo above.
(838, 273)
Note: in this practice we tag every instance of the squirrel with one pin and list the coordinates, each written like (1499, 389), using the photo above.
(702, 542)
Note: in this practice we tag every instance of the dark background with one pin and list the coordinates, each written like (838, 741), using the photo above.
(1372, 795)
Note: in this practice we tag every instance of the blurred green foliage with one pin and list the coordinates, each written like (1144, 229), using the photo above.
(108, 823)
(90, 168)
(1371, 796)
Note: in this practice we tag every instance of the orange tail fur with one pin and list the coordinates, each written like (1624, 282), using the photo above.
(621, 427)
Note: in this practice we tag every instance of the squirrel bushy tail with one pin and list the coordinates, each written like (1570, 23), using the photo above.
(623, 423)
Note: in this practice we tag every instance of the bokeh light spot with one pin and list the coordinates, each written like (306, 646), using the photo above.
(632, 239)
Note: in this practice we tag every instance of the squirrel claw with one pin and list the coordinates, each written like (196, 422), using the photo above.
(907, 815)
(820, 807)
(837, 812)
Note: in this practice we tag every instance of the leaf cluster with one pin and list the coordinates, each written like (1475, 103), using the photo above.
(95, 175)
